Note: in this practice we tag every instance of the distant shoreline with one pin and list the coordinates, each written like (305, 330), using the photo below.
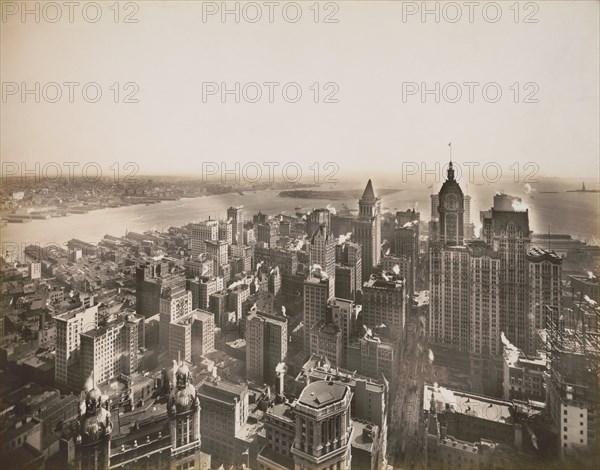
(332, 195)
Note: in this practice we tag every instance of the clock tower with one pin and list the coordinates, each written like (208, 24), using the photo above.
(451, 211)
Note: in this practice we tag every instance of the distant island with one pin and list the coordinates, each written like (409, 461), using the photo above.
(332, 195)
(583, 190)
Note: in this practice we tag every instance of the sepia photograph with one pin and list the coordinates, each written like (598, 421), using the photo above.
(299, 235)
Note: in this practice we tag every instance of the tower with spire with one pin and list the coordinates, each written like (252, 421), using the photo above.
(451, 210)
(367, 229)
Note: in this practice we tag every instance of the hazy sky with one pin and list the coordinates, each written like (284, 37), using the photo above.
(369, 53)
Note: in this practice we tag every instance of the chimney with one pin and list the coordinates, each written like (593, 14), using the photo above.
(280, 371)
(367, 433)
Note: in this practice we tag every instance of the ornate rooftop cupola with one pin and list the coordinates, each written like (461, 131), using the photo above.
(92, 432)
(184, 411)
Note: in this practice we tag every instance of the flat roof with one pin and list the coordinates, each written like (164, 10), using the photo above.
(282, 410)
(482, 407)
(221, 390)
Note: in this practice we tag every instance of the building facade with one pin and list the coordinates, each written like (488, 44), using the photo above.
(367, 229)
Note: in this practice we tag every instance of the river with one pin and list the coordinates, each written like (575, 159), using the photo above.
(573, 213)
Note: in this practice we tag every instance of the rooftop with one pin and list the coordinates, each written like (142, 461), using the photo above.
(321, 393)
(365, 435)
(385, 280)
(222, 391)
(540, 254)
(97, 332)
(282, 410)
(482, 407)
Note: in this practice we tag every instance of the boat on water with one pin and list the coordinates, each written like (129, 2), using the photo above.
(298, 208)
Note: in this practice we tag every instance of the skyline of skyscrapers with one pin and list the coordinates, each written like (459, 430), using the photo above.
(238, 318)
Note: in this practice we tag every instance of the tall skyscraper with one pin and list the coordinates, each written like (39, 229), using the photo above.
(507, 231)
(489, 286)
(224, 410)
(69, 327)
(348, 278)
(367, 229)
(316, 218)
(236, 215)
(377, 358)
(192, 335)
(318, 291)
(384, 306)
(174, 304)
(572, 390)
(203, 333)
(449, 310)
(484, 310)
(467, 211)
(216, 250)
(344, 314)
(406, 243)
(151, 280)
(202, 231)
(111, 350)
(322, 250)
(226, 231)
(451, 211)
(202, 288)
(268, 233)
(545, 290)
(266, 346)
(323, 427)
